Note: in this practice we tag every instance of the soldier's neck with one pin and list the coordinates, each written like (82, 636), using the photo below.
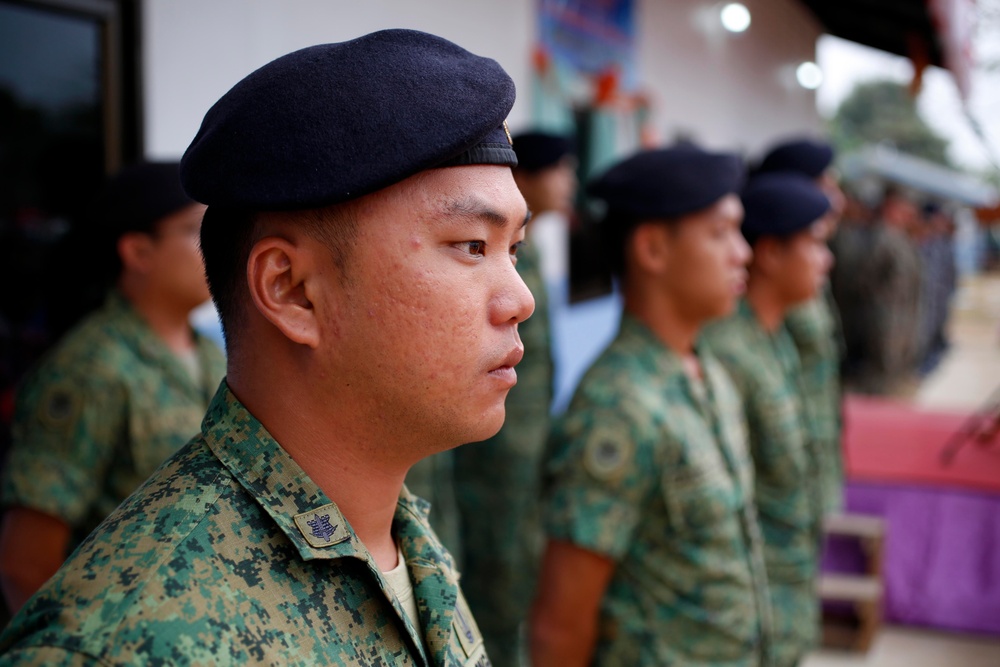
(667, 322)
(170, 324)
(767, 305)
(338, 456)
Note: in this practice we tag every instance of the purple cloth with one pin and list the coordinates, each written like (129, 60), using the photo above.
(942, 554)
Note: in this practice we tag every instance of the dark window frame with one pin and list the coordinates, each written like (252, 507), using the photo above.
(121, 89)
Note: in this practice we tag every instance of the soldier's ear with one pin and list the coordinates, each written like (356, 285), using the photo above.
(767, 255)
(280, 275)
(135, 251)
(650, 247)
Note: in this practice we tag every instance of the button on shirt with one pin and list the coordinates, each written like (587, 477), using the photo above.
(230, 554)
(651, 469)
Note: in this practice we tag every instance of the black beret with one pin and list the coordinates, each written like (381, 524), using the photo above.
(138, 197)
(806, 156)
(333, 122)
(781, 204)
(538, 150)
(668, 182)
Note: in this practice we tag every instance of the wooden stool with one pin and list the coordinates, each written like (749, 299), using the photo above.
(860, 593)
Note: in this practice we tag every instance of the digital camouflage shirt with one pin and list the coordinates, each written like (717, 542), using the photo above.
(231, 555)
(816, 334)
(651, 469)
(104, 408)
(765, 368)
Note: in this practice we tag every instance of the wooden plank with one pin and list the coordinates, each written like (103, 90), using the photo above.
(855, 525)
(849, 588)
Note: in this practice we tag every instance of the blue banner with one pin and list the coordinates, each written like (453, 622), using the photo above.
(590, 36)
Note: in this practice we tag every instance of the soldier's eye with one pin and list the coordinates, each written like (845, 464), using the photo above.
(475, 247)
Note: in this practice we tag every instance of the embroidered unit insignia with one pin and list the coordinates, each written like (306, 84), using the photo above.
(321, 527)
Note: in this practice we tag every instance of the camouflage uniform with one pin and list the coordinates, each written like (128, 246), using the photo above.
(877, 284)
(103, 410)
(816, 333)
(766, 370)
(231, 555)
(651, 469)
(497, 485)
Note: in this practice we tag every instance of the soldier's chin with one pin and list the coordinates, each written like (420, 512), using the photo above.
(490, 424)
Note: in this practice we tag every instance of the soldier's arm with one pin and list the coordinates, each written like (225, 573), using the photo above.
(32, 547)
(563, 628)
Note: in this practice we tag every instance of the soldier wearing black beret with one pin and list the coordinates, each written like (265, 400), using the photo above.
(815, 326)
(654, 554)
(360, 244)
(786, 223)
(123, 390)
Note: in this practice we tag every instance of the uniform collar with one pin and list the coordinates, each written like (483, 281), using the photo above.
(315, 525)
(136, 332)
(300, 509)
(654, 354)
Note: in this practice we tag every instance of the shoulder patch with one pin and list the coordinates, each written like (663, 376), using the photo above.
(60, 407)
(605, 458)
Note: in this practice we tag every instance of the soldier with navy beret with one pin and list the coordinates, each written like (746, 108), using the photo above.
(654, 553)
(815, 325)
(786, 224)
(360, 244)
(122, 391)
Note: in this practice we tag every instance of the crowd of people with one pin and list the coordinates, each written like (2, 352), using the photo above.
(894, 282)
(372, 248)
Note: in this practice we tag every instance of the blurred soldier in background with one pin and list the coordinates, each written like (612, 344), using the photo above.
(120, 392)
(787, 227)
(655, 555)
(815, 326)
(878, 291)
(939, 279)
(497, 481)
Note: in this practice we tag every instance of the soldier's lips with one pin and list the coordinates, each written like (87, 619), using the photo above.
(740, 285)
(504, 371)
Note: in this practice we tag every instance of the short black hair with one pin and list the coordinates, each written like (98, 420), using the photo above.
(617, 229)
(229, 234)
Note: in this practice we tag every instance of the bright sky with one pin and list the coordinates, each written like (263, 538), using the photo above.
(845, 64)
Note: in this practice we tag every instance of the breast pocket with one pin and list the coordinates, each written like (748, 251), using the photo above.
(700, 498)
(778, 441)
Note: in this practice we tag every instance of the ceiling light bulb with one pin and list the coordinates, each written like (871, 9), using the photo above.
(809, 75)
(735, 17)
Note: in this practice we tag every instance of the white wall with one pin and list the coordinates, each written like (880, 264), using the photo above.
(195, 50)
(727, 91)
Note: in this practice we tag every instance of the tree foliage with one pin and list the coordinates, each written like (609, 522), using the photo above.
(884, 112)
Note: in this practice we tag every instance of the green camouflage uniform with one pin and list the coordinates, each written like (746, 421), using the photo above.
(497, 487)
(103, 410)
(231, 555)
(766, 370)
(816, 334)
(651, 469)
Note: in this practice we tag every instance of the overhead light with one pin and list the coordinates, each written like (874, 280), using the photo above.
(735, 17)
(809, 75)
